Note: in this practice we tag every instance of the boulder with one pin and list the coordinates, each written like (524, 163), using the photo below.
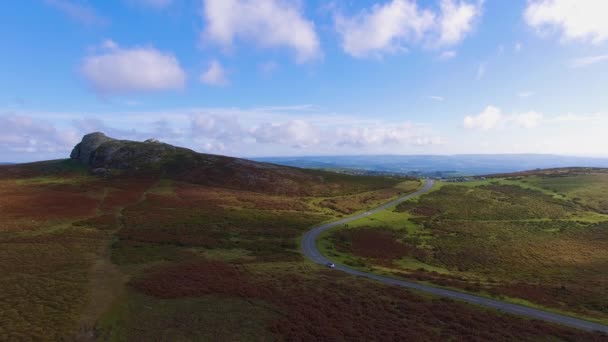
(89, 144)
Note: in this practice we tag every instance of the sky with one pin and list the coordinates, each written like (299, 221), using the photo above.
(253, 78)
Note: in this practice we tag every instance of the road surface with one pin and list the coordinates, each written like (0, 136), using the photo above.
(309, 247)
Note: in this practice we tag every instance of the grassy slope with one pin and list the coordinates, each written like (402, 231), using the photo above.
(539, 240)
(194, 262)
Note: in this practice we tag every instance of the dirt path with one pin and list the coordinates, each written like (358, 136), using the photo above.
(107, 281)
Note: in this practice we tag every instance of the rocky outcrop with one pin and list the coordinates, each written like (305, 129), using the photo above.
(89, 144)
(97, 151)
(107, 157)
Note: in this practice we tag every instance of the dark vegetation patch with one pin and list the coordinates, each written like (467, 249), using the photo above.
(426, 211)
(376, 243)
(195, 279)
(330, 306)
(43, 203)
(268, 235)
(138, 317)
(61, 168)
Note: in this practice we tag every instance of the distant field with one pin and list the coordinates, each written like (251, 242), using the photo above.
(126, 259)
(536, 239)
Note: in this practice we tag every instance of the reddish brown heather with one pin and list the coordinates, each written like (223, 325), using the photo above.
(332, 307)
(196, 278)
(426, 211)
(44, 202)
(377, 244)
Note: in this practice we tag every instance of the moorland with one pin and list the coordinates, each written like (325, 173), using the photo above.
(184, 246)
(537, 238)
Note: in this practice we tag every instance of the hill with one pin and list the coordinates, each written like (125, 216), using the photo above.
(440, 165)
(107, 156)
(167, 244)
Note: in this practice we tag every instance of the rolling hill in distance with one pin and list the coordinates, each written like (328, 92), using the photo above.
(440, 165)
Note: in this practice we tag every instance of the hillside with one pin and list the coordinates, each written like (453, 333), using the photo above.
(536, 237)
(144, 250)
(107, 156)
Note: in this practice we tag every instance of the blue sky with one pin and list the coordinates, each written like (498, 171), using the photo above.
(293, 77)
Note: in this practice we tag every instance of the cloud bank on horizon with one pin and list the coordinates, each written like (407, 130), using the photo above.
(377, 76)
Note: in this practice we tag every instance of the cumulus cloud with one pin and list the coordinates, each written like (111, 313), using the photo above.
(572, 19)
(383, 28)
(267, 23)
(214, 75)
(388, 134)
(79, 12)
(295, 133)
(585, 61)
(488, 119)
(456, 20)
(216, 128)
(305, 132)
(491, 117)
(394, 26)
(117, 70)
(19, 133)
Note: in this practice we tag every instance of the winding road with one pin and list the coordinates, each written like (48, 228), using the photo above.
(309, 247)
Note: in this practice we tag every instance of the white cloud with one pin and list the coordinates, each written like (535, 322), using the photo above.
(437, 98)
(214, 75)
(573, 19)
(295, 133)
(527, 120)
(383, 135)
(585, 61)
(456, 20)
(384, 28)
(490, 118)
(268, 23)
(447, 55)
(117, 70)
(215, 128)
(393, 26)
(278, 130)
(19, 133)
(78, 12)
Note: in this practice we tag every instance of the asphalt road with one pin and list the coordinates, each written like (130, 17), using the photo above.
(309, 247)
